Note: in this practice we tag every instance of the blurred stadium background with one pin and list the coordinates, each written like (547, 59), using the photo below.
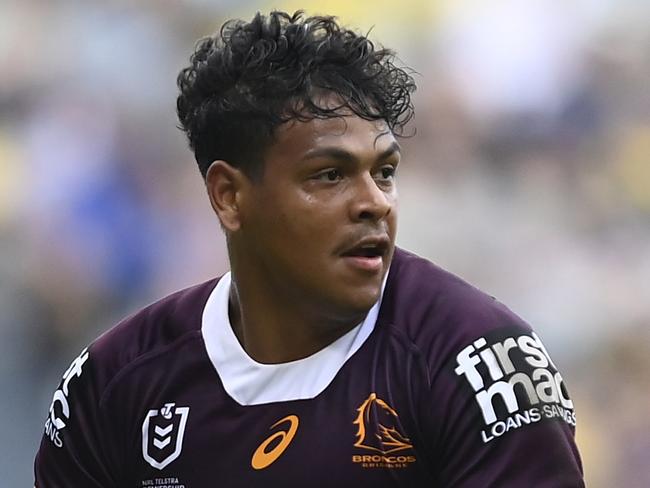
(529, 176)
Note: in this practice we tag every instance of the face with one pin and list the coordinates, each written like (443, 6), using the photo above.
(321, 223)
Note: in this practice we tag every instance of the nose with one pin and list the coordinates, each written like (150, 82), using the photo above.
(370, 201)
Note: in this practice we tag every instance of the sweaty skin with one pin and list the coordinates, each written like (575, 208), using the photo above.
(298, 283)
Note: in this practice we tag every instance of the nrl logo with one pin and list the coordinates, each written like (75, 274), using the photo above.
(379, 428)
(162, 434)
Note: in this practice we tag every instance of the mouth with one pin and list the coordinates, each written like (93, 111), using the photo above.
(368, 254)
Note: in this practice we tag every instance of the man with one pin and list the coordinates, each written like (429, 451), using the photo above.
(326, 357)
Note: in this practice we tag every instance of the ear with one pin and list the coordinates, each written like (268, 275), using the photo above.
(226, 187)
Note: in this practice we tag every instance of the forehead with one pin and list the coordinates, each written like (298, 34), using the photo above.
(349, 132)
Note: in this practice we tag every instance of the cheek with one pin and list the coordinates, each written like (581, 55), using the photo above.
(292, 220)
(295, 222)
(310, 225)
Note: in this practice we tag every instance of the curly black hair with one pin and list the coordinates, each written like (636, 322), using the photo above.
(245, 81)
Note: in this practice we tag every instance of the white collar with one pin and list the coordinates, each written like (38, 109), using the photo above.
(251, 383)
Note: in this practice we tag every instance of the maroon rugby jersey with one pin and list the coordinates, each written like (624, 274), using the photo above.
(447, 388)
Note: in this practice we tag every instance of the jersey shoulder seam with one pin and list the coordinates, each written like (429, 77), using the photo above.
(144, 357)
(409, 343)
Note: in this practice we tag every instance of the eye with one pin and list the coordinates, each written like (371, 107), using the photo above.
(386, 172)
(329, 175)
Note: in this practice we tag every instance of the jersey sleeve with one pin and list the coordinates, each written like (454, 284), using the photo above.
(75, 449)
(498, 414)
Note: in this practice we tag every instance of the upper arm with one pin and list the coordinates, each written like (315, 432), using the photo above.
(76, 449)
(498, 414)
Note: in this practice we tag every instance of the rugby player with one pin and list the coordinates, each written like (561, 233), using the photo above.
(326, 356)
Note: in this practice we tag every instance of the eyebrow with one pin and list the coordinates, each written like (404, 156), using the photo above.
(346, 156)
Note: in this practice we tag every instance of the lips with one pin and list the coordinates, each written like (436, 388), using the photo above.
(368, 247)
(367, 254)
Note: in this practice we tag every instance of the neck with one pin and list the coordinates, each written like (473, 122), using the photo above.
(277, 326)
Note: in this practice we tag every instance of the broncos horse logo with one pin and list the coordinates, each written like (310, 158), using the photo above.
(379, 427)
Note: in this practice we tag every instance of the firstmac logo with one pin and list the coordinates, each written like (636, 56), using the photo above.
(59, 414)
(515, 375)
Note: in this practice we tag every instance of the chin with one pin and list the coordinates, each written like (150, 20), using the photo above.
(360, 301)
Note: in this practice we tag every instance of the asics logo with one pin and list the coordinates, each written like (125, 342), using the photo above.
(263, 458)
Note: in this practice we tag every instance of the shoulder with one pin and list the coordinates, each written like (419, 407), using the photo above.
(487, 377)
(148, 332)
(426, 302)
(75, 441)
(438, 315)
